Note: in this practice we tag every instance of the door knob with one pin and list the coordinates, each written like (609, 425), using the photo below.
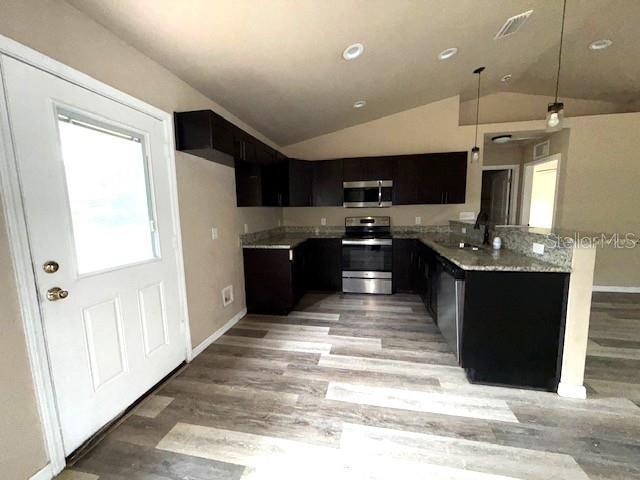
(56, 293)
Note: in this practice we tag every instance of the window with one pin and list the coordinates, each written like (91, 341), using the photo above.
(109, 194)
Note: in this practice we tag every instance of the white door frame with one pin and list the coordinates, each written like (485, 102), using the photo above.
(526, 188)
(11, 197)
(515, 183)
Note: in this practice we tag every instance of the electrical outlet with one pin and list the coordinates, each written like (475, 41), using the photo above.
(418, 220)
(323, 221)
(246, 228)
(227, 295)
(538, 248)
(214, 233)
(464, 230)
(279, 222)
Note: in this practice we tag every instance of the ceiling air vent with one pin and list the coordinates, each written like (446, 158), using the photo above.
(512, 25)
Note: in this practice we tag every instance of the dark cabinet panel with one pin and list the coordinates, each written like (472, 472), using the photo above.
(451, 171)
(368, 168)
(268, 278)
(405, 265)
(276, 279)
(299, 268)
(430, 178)
(205, 134)
(300, 181)
(327, 183)
(248, 184)
(513, 328)
(323, 264)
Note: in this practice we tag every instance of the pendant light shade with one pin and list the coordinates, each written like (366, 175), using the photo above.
(555, 110)
(475, 151)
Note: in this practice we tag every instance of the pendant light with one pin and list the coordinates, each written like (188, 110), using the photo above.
(555, 110)
(475, 151)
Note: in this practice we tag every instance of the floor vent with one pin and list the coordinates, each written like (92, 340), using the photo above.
(512, 25)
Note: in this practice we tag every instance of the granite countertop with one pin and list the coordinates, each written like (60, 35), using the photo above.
(483, 259)
(287, 240)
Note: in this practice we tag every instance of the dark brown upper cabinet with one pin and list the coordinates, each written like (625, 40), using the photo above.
(430, 178)
(368, 168)
(327, 190)
(204, 133)
(300, 181)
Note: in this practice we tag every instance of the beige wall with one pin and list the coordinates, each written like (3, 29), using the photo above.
(599, 189)
(518, 107)
(207, 199)
(21, 445)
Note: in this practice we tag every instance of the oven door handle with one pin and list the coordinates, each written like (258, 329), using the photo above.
(369, 241)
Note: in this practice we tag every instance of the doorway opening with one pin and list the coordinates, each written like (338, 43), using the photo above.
(499, 195)
(540, 191)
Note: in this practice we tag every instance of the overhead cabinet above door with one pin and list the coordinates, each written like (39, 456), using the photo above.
(205, 134)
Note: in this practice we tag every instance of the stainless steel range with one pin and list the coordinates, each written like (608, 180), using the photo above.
(367, 253)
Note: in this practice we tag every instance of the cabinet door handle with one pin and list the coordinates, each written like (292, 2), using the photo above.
(291, 255)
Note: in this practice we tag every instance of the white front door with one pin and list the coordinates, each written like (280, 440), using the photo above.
(95, 177)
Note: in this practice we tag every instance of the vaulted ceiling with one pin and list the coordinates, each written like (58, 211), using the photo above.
(278, 64)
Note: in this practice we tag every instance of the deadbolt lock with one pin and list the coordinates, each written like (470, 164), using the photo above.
(50, 267)
(56, 293)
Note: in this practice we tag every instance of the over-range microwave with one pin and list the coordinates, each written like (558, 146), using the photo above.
(369, 193)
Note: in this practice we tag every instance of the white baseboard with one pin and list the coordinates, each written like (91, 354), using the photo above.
(572, 391)
(45, 474)
(614, 289)
(218, 333)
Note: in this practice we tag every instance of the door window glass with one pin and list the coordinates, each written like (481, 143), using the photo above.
(109, 195)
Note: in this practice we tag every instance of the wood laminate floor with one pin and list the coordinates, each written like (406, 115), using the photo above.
(355, 386)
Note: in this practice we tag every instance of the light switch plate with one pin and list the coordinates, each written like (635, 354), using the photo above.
(464, 230)
(246, 228)
(323, 221)
(214, 233)
(418, 220)
(538, 248)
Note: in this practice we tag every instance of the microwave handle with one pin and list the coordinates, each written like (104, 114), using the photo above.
(379, 193)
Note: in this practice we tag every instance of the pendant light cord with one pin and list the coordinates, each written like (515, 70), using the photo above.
(477, 109)
(564, 10)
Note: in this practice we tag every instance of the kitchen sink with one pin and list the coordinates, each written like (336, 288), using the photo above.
(462, 245)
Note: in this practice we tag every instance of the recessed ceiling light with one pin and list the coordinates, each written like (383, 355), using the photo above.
(359, 104)
(501, 138)
(600, 44)
(507, 78)
(448, 53)
(353, 51)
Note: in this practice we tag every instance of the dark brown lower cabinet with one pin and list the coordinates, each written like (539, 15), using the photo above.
(513, 328)
(275, 279)
(405, 265)
(323, 264)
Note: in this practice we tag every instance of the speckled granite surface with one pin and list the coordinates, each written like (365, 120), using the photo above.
(521, 239)
(436, 237)
(288, 237)
(485, 258)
